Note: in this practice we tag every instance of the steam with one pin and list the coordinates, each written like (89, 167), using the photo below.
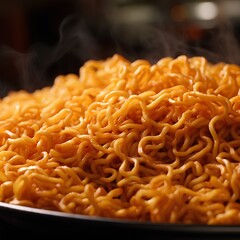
(152, 43)
(79, 42)
(75, 46)
(226, 43)
(42, 63)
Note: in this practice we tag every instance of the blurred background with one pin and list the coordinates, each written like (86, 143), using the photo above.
(41, 39)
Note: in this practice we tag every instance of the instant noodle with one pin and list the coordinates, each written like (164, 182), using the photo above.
(131, 140)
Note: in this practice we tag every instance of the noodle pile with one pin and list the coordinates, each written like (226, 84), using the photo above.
(130, 140)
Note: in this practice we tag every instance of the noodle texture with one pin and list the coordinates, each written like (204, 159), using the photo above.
(127, 140)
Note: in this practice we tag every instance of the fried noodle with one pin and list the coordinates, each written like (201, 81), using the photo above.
(130, 140)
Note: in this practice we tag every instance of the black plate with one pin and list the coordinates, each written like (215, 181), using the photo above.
(26, 220)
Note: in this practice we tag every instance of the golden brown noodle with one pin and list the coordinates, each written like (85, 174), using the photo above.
(128, 140)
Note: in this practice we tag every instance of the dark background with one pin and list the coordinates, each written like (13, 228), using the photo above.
(41, 39)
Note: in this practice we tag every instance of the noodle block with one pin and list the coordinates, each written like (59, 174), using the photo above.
(130, 140)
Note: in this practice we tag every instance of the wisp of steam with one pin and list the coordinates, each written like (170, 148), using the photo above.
(78, 43)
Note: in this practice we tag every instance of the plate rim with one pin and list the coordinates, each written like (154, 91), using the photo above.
(130, 224)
